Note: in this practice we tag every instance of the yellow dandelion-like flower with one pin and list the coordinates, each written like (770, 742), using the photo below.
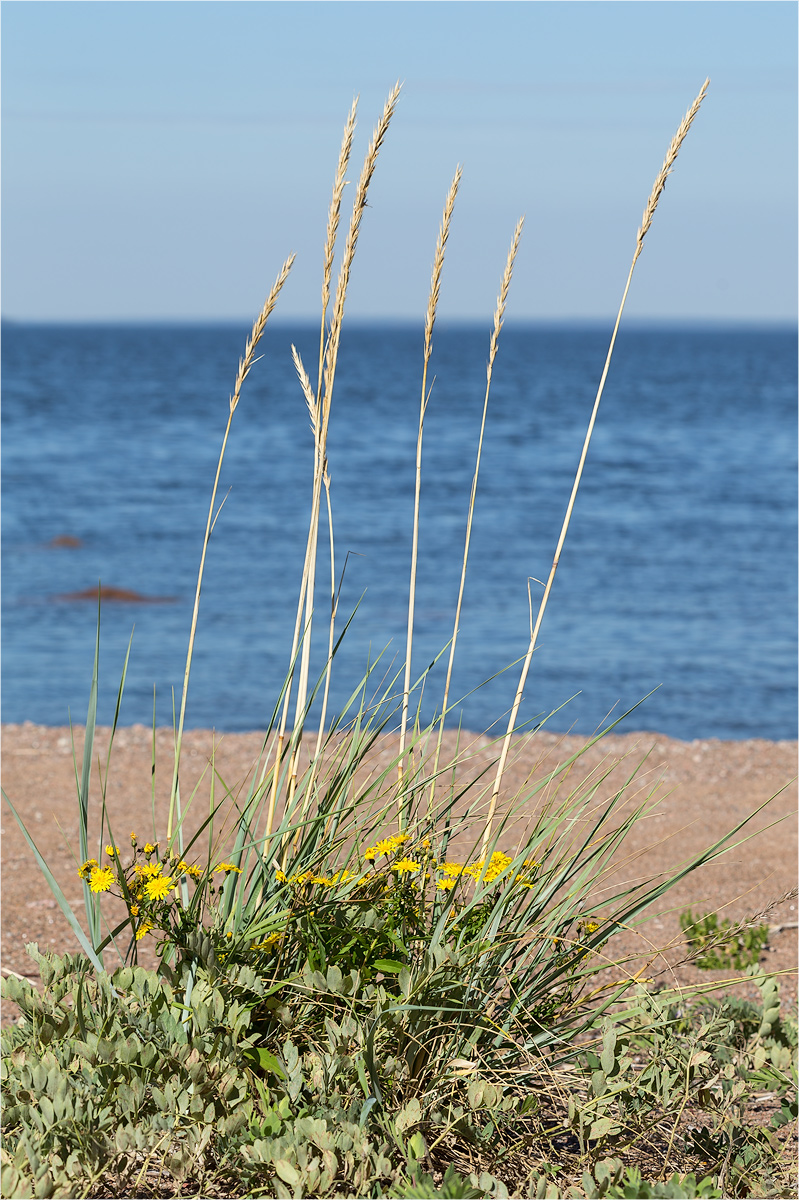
(86, 869)
(101, 879)
(227, 868)
(133, 838)
(143, 930)
(134, 910)
(157, 888)
(452, 869)
(370, 853)
(150, 847)
(406, 866)
(281, 876)
(446, 885)
(342, 876)
(228, 934)
(194, 871)
(299, 880)
(148, 871)
(532, 863)
(269, 943)
(425, 843)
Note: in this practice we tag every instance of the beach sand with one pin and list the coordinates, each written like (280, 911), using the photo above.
(705, 788)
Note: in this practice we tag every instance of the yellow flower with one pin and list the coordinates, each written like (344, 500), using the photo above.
(496, 865)
(157, 888)
(406, 866)
(134, 910)
(269, 943)
(342, 876)
(227, 868)
(101, 879)
(370, 853)
(143, 930)
(148, 871)
(133, 839)
(452, 869)
(425, 843)
(280, 876)
(86, 869)
(150, 847)
(112, 851)
(193, 870)
(446, 885)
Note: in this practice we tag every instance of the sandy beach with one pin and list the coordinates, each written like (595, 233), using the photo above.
(705, 788)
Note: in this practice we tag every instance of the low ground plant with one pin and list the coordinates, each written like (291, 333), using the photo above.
(358, 993)
(725, 945)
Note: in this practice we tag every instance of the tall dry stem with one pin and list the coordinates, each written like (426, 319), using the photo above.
(649, 212)
(245, 366)
(430, 320)
(499, 316)
(328, 361)
(331, 359)
(314, 404)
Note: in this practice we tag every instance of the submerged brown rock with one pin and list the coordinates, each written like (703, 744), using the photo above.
(116, 595)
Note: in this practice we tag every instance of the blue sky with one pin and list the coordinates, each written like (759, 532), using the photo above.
(161, 159)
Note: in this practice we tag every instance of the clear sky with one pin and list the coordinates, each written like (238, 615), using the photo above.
(161, 159)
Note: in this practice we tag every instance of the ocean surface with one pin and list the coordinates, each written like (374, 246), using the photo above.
(678, 572)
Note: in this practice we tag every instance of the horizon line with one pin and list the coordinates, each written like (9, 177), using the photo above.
(640, 322)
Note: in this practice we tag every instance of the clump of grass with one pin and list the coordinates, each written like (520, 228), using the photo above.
(358, 993)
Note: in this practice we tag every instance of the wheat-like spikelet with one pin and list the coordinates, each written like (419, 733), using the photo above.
(438, 264)
(666, 169)
(307, 390)
(502, 298)
(246, 363)
(334, 214)
(359, 204)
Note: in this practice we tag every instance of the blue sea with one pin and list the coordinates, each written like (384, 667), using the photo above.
(678, 575)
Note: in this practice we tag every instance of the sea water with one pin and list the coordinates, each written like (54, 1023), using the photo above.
(678, 575)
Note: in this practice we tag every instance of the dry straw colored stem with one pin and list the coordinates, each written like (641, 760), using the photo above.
(328, 360)
(331, 359)
(314, 405)
(499, 316)
(245, 365)
(649, 213)
(430, 320)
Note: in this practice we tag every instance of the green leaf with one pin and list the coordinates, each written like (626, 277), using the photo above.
(388, 966)
(603, 1127)
(268, 1062)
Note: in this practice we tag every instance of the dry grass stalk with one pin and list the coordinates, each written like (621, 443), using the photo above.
(666, 169)
(324, 399)
(245, 365)
(430, 320)
(331, 358)
(649, 212)
(333, 218)
(359, 204)
(499, 316)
